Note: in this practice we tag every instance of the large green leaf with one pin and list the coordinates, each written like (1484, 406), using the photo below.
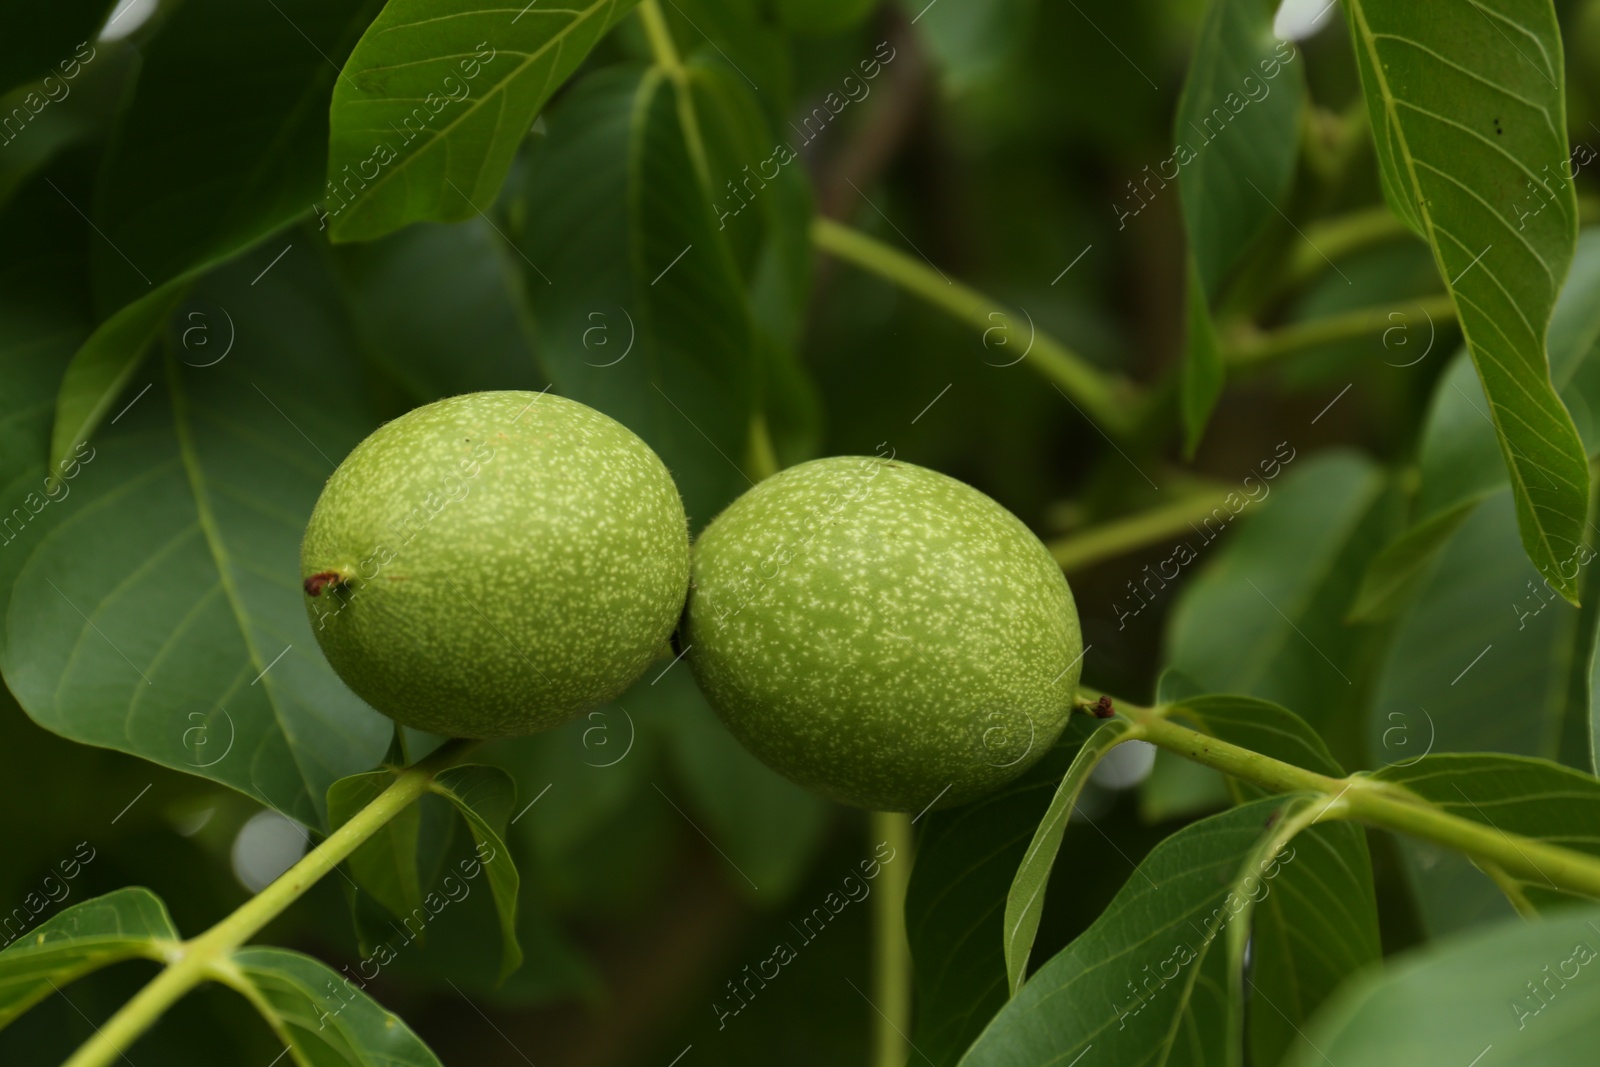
(128, 924)
(771, 240)
(1477, 663)
(1519, 993)
(1284, 582)
(75, 102)
(245, 89)
(769, 825)
(321, 1014)
(385, 864)
(44, 316)
(434, 101)
(1460, 459)
(1469, 119)
(1395, 574)
(966, 861)
(485, 796)
(1235, 143)
(1314, 930)
(1110, 990)
(441, 308)
(156, 609)
(1025, 900)
(1483, 660)
(1203, 374)
(1235, 135)
(649, 322)
(100, 371)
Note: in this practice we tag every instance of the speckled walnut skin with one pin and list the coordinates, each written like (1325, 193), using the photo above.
(882, 634)
(492, 564)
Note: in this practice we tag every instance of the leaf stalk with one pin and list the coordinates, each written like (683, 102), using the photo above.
(1361, 798)
(199, 958)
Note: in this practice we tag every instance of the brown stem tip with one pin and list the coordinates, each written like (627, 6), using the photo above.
(1102, 708)
(315, 584)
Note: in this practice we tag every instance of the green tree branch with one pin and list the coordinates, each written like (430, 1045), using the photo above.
(1259, 347)
(1120, 536)
(205, 956)
(1360, 798)
(1111, 401)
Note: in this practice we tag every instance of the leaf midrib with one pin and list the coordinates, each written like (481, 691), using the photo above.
(224, 564)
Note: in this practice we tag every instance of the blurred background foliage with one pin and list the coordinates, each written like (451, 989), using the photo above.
(657, 858)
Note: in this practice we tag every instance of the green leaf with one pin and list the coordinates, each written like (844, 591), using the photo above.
(1025, 901)
(257, 80)
(966, 860)
(1110, 988)
(44, 316)
(1514, 795)
(649, 323)
(772, 244)
(1314, 930)
(125, 924)
(1284, 581)
(485, 796)
(1203, 375)
(1236, 134)
(385, 864)
(1395, 574)
(1520, 989)
(62, 111)
(322, 1014)
(1474, 665)
(100, 372)
(766, 824)
(434, 101)
(1459, 454)
(1481, 661)
(1467, 124)
(154, 606)
(415, 295)
(1460, 459)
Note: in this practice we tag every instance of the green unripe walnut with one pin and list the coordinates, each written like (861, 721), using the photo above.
(882, 634)
(492, 564)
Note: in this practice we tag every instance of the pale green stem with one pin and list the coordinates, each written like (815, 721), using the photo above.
(1109, 400)
(1121, 536)
(200, 958)
(1334, 238)
(1363, 799)
(1328, 240)
(891, 955)
(665, 53)
(1352, 325)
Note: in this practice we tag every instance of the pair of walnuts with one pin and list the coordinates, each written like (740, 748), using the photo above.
(494, 564)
